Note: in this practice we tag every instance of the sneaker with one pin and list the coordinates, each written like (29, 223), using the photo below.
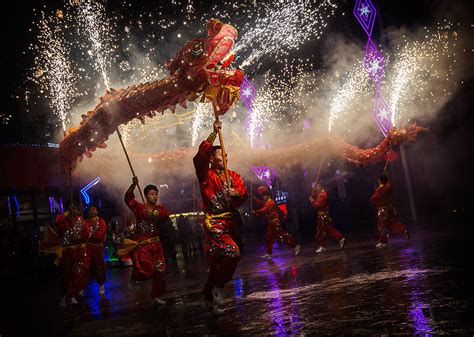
(407, 235)
(101, 290)
(158, 301)
(380, 245)
(321, 249)
(218, 296)
(74, 301)
(218, 311)
(342, 242)
(266, 256)
(62, 302)
(297, 250)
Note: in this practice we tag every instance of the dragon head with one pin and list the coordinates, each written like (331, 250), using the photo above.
(219, 43)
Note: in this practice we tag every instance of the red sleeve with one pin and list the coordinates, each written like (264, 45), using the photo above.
(320, 200)
(131, 202)
(375, 198)
(266, 208)
(240, 188)
(201, 160)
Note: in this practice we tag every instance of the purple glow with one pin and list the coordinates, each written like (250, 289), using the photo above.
(247, 93)
(61, 205)
(306, 124)
(264, 173)
(365, 12)
(381, 113)
(17, 204)
(51, 204)
(374, 62)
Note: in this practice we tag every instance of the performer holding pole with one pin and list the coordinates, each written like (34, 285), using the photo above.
(145, 249)
(386, 213)
(274, 230)
(222, 192)
(319, 199)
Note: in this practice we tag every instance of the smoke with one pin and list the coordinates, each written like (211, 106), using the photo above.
(295, 104)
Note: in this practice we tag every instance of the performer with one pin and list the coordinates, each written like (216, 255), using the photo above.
(274, 230)
(95, 247)
(74, 233)
(319, 199)
(146, 250)
(386, 213)
(219, 202)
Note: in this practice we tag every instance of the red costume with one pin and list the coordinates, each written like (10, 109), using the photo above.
(95, 248)
(386, 213)
(223, 254)
(74, 234)
(325, 226)
(148, 258)
(274, 229)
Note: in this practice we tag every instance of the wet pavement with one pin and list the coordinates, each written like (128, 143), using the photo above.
(418, 287)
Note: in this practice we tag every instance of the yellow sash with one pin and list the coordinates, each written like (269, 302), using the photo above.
(208, 217)
(58, 250)
(129, 245)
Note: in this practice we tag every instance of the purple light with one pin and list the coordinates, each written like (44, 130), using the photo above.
(365, 12)
(306, 124)
(264, 173)
(382, 113)
(51, 204)
(17, 204)
(61, 206)
(374, 62)
(247, 93)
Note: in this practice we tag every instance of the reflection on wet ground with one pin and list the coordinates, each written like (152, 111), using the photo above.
(416, 288)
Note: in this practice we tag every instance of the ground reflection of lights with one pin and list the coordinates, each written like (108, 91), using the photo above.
(284, 322)
(422, 323)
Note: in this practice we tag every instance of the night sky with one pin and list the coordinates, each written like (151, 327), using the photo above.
(451, 132)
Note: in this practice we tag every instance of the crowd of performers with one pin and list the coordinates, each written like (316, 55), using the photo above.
(81, 251)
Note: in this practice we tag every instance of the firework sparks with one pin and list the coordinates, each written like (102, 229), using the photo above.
(416, 65)
(98, 28)
(201, 111)
(356, 83)
(54, 71)
(287, 27)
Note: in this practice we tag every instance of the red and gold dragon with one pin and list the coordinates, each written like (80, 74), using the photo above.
(200, 70)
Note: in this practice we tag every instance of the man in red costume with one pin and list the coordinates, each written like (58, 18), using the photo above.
(219, 202)
(319, 199)
(146, 250)
(274, 230)
(95, 247)
(386, 213)
(74, 233)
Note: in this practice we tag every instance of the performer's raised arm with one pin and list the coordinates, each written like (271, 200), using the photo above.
(130, 196)
(202, 158)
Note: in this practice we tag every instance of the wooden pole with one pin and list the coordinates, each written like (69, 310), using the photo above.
(130, 163)
(224, 155)
(317, 176)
